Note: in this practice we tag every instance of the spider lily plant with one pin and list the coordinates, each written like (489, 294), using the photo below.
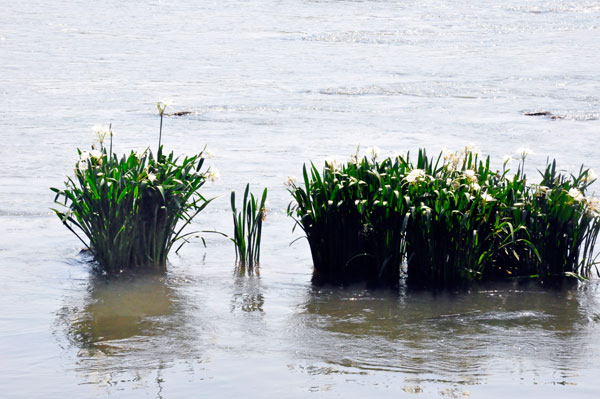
(444, 220)
(130, 210)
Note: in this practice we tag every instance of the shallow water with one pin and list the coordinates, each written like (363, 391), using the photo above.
(272, 85)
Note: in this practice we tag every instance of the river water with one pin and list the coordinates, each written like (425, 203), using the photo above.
(271, 85)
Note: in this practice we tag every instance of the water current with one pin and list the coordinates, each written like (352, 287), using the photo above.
(269, 86)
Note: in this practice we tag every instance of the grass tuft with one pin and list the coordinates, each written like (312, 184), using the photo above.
(247, 227)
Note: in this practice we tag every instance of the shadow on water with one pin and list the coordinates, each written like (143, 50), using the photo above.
(128, 328)
(464, 338)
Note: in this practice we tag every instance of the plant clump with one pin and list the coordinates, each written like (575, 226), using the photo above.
(445, 220)
(130, 210)
(351, 216)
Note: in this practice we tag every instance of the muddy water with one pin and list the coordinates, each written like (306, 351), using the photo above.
(271, 85)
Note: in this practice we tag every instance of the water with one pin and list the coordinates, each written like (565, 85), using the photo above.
(272, 85)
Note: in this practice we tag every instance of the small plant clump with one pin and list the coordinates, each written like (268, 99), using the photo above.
(450, 219)
(132, 209)
(247, 227)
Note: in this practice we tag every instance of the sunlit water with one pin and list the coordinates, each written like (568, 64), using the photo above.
(271, 85)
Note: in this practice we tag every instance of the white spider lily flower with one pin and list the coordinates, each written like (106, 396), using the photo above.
(151, 177)
(291, 181)
(471, 176)
(162, 105)
(85, 155)
(448, 154)
(523, 152)
(471, 148)
(456, 162)
(540, 190)
(487, 198)
(594, 206)
(332, 163)
(452, 159)
(373, 152)
(213, 175)
(415, 175)
(591, 175)
(476, 187)
(263, 213)
(101, 132)
(82, 165)
(576, 194)
(96, 154)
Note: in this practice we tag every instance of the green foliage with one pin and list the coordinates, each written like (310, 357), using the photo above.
(563, 224)
(451, 219)
(351, 216)
(460, 220)
(247, 227)
(132, 209)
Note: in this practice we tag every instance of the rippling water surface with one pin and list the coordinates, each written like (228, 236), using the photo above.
(271, 85)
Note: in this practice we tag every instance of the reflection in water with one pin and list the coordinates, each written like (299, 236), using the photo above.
(455, 338)
(247, 290)
(119, 310)
(129, 327)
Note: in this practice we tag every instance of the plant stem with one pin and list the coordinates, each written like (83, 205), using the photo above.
(160, 133)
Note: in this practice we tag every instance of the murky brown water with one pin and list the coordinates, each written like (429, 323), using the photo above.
(225, 331)
(271, 85)
(206, 326)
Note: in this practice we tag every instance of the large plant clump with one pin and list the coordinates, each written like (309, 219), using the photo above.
(129, 211)
(450, 219)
